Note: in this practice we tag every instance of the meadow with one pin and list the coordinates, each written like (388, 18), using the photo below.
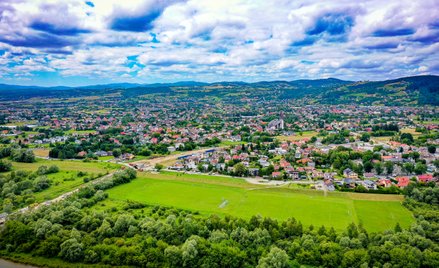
(223, 195)
(298, 136)
(68, 177)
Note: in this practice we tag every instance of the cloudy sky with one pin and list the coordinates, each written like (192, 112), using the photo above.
(75, 42)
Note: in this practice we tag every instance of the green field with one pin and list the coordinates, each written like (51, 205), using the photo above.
(72, 165)
(80, 132)
(67, 178)
(299, 136)
(209, 194)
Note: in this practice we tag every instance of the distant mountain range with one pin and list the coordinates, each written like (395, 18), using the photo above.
(407, 91)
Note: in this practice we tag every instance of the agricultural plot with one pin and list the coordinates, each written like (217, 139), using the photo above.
(220, 195)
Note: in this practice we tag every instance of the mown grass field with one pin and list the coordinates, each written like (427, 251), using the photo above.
(80, 132)
(411, 131)
(298, 136)
(222, 195)
(41, 152)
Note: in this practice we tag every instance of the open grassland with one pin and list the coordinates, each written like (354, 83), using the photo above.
(68, 165)
(20, 123)
(230, 143)
(223, 195)
(41, 152)
(411, 131)
(80, 132)
(432, 122)
(68, 178)
(298, 136)
(381, 139)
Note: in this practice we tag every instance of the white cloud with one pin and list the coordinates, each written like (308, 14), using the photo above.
(220, 40)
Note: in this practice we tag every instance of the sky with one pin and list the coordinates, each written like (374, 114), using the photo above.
(75, 42)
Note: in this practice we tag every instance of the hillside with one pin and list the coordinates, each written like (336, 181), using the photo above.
(408, 91)
(416, 90)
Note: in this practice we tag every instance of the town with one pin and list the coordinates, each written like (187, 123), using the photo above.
(180, 134)
(332, 147)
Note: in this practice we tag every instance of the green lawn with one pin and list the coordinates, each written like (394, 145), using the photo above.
(208, 194)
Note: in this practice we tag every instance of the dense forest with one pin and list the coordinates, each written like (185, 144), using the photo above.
(74, 231)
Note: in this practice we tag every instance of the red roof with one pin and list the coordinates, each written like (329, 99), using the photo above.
(403, 181)
(425, 178)
(276, 174)
(384, 182)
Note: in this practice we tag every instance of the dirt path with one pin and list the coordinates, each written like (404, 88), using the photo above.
(4, 216)
(149, 164)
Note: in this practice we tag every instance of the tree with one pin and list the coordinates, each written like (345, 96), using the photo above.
(355, 258)
(431, 258)
(72, 250)
(158, 167)
(432, 149)
(389, 167)
(239, 169)
(368, 166)
(189, 252)
(41, 183)
(23, 155)
(8, 206)
(407, 138)
(276, 258)
(53, 169)
(378, 168)
(105, 229)
(42, 170)
(173, 256)
(5, 165)
(116, 153)
(122, 224)
(408, 167)
(405, 256)
(42, 227)
(397, 228)
(420, 168)
(365, 137)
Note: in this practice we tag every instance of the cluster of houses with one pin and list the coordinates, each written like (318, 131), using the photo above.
(373, 184)
(303, 166)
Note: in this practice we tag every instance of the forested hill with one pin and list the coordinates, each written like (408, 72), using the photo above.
(407, 91)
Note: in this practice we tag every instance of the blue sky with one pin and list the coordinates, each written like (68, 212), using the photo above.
(73, 42)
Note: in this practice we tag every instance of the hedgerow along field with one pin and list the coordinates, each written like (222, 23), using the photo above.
(222, 195)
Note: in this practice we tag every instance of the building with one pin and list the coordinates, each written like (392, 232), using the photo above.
(277, 124)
